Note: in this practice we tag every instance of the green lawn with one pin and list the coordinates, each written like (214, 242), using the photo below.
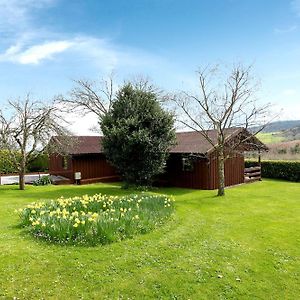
(243, 246)
(270, 137)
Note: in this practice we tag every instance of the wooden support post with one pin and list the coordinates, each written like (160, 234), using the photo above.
(259, 163)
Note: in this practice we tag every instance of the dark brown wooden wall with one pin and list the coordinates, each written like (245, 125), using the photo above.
(234, 170)
(205, 172)
(175, 176)
(56, 166)
(203, 176)
(92, 166)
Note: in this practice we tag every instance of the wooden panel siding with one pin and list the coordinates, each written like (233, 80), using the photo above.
(234, 170)
(203, 175)
(56, 166)
(93, 166)
(197, 178)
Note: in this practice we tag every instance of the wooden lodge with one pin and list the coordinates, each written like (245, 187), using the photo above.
(192, 163)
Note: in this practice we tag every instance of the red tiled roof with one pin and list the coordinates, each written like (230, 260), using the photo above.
(187, 142)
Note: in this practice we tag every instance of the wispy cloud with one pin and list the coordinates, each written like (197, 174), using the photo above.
(16, 14)
(24, 42)
(286, 29)
(102, 54)
(289, 92)
(35, 54)
(295, 4)
(108, 55)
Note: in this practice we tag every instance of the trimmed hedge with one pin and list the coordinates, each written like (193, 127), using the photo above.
(279, 169)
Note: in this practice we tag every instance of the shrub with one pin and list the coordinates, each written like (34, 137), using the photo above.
(282, 151)
(288, 170)
(138, 133)
(7, 165)
(295, 149)
(44, 180)
(39, 164)
(97, 219)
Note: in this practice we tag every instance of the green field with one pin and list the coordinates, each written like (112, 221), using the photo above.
(270, 137)
(242, 246)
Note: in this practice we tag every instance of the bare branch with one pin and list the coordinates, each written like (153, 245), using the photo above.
(25, 130)
(223, 102)
(87, 97)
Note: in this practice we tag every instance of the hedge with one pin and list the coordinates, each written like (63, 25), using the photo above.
(6, 166)
(39, 164)
(279, 169)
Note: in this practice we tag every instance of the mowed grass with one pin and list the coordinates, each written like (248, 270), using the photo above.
(243, 246)
(270, 137)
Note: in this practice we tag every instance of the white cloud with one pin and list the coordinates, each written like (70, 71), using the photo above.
(106, 55)
(285, 30)
(286, 112)
(35, 54)
(17, 13)
(83, 125)
(295, 4)
(26, 43)
(100, 53)
(289, 92)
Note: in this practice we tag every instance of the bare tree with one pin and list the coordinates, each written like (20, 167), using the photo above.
(26, 127)
(225, 100)
(97, 98)
(88, 97)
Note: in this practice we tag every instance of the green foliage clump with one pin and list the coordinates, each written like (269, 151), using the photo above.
(98, 219)
(39, 164)
(295, 149)
(7, 165)
(288, 170)
(137, 135)
(43, 180)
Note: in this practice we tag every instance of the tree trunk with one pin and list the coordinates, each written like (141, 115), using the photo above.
(22, 181)
(22, 175)
(221, 173)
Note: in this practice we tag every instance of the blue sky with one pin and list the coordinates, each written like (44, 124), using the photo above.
(45, 44)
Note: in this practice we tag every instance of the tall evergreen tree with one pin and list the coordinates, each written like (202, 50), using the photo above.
(138, 133)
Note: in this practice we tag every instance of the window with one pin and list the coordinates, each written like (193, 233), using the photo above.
(187, 164)
(65, 162)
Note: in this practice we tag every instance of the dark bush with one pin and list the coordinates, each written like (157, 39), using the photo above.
(138, 133)
(288, 170)
(39, 164)
(295, 149)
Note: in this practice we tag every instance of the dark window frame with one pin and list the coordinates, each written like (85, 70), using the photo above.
(187, 164)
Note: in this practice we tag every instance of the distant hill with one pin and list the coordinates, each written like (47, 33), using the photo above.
(280, 131)
(281, 126)
(292, 134)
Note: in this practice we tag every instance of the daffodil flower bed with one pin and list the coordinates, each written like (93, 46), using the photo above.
(98, 219)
